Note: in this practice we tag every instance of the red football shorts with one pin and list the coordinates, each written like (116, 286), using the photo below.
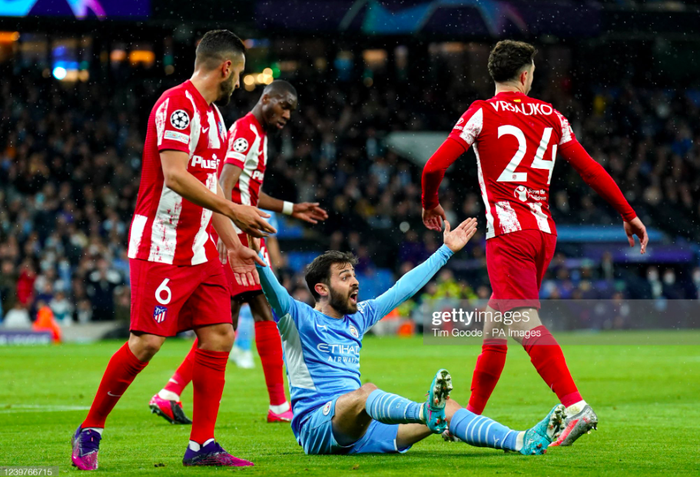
(516, 263)
(233, 286)
(167, 299)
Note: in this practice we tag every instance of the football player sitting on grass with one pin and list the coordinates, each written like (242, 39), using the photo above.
(334, 413)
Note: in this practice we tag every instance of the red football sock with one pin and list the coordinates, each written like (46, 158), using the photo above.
(208, 377)
(269, 344)
(547, 357)
(183, 375)
(120, 373)
(487, 372)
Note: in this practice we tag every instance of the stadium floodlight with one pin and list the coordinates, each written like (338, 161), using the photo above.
(59, 72)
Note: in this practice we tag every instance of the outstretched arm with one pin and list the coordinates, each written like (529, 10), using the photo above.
(433, 173)
(276, 294)
(241, 259)
(597, 178)
(409, 284)
(600, 181)
(463, 135)
(307, 211)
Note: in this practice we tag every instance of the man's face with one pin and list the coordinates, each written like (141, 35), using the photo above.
(277, 109)
(344, 288)
(232, 81)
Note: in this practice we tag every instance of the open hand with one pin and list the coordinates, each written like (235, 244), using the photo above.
(636, 227)
(242, 261)
(309, 212)
(456, 239)
(433, 218)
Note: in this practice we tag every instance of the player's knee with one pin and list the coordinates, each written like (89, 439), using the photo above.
(355, 402)
(451, 407)
(225, 335)
(368, 388)
(260, 318)
(216, 337)
(145, 346)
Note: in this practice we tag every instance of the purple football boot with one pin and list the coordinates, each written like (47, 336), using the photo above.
(214, 455)
(86, 443)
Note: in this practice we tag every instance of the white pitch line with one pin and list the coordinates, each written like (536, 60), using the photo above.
(39, 408)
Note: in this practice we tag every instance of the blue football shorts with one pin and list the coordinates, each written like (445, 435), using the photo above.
(316, 435)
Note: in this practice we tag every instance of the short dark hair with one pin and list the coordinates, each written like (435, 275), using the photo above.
(508, 58)
(280, 87)
(216, 46)
(319, 271)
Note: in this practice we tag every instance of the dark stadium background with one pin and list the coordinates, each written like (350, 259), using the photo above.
(625, 73)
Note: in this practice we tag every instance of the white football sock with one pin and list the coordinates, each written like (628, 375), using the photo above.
(520, 441)
(196, 447)
(575, 408)
(279, 409)
(99, 430)
(168, 395)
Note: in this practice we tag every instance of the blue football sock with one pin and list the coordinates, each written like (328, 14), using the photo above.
(246, 326)
(481, 431)
(392, 409)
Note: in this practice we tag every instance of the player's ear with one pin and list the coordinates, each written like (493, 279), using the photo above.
(321, 289)
(227, 69)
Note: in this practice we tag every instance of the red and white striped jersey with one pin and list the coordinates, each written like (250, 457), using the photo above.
(515, 139)
(247, 149)
(167, 228)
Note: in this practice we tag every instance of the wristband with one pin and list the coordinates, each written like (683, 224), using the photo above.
(287, 208)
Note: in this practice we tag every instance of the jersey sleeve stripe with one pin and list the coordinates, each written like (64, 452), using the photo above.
(160, 118)
(250, 165)
(235, 155)
(473, 127)
(566, 135)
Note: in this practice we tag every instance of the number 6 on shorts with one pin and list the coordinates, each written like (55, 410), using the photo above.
(163, 287)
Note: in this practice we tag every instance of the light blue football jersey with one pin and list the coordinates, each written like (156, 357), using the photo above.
(322, 354)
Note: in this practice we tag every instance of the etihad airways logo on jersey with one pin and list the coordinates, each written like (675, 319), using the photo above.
(528, 109)
(340, 353)
(205, 163)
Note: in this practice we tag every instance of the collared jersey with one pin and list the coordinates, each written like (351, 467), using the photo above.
(515, 140)
(247, 149)
(166, 228)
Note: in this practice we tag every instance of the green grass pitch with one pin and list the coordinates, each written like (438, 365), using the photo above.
(646, 397)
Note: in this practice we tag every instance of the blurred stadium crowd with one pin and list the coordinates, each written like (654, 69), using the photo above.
(70, 161)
